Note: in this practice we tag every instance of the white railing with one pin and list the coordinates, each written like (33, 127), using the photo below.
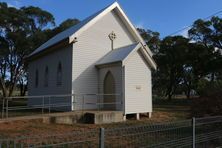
(29, 105)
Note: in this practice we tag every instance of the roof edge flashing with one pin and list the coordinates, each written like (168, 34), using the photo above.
(93, 21)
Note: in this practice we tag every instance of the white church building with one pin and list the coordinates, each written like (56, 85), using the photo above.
(103, 54)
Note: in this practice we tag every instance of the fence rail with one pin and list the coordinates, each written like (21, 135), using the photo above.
(196, 132)
(29, 105)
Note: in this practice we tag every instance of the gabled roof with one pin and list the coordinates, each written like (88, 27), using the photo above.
(65, 34)
(123, 53)
(75, 31)
(118, 55)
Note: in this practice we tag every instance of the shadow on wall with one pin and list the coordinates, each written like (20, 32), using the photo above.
(87, 82)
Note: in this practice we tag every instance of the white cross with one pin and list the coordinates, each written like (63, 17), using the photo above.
(112, 36)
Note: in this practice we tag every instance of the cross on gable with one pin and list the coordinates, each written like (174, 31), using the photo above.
(112, 36)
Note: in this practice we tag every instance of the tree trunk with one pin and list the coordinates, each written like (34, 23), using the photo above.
(23, 89)
(212, 76)
(3, 87)
(188, 90)
(169, 97)
(169, 93)
(188, 94)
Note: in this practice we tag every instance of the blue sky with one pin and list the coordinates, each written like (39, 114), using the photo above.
(164, 16)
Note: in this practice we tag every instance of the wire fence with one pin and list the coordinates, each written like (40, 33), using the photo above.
(34, 105)
(199, 132)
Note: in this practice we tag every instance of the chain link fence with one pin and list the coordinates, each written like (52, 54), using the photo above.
(199, 132)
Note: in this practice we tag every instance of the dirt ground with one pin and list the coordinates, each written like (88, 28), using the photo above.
(163, 112)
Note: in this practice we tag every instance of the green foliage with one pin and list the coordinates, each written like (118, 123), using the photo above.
(63, 26)
(170, 60)
(151, 38)
(184, 62)
(207, 88)
(22, 31)
(209, 102)
(208, 33)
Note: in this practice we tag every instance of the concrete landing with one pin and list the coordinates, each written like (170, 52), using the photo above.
(92, 117)
(100, 117)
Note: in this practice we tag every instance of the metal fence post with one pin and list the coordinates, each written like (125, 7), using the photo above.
(83, 102)
(49, 104)
(194, 132)
(3, 108)
(102, 138)
(98, 102)
(6, 108)
(43, 104)
(73, 102)
(14, 144)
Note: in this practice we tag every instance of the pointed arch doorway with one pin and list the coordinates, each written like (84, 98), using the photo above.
(109, 92)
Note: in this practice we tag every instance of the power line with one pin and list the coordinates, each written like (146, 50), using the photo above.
(187, 27)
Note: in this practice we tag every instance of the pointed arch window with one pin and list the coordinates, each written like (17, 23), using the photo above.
(36, 78)
(46, 77)
(59, 74)
(109, 91)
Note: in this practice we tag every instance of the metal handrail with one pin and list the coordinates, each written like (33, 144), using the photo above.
(47, 103)
(63, 95)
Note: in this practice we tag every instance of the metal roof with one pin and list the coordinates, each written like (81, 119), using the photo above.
(118, 55)
(66, 33)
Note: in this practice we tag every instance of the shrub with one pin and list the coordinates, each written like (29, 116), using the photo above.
(210, 100)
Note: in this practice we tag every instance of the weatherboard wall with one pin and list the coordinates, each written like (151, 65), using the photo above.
(91, 46)
(138, 89)
(63, 55)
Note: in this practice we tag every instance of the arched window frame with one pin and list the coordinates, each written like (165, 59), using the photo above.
(109, 91)
(59, 74)
(46, 77)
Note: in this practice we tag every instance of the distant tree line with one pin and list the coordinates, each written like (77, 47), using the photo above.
(185, 64)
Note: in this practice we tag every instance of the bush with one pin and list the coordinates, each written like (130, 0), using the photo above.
(210, 101)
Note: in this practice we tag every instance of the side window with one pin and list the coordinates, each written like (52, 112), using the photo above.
(36, 78)
(59, 74)
(46, 77)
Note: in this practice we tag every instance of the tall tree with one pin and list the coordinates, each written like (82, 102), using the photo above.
(196, 66)
(209, 34)
(151, 38)
(63, 26)
(170, 60)
(19, 29)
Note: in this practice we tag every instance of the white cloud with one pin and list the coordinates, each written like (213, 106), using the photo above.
(15, 4)
(140, 25)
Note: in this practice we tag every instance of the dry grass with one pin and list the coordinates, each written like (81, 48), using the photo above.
(163, 111)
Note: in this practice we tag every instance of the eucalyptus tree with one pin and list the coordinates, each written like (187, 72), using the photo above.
(170, 60)
(209, 34)
(152, 39)
(21, 31)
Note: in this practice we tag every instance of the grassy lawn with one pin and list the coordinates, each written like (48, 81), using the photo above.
(177, 109)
